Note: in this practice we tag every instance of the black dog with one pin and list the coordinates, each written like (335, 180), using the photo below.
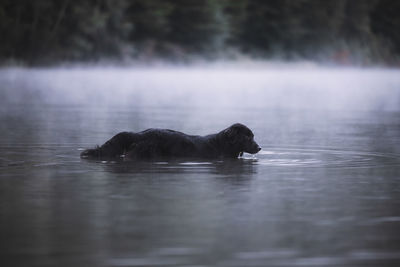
(163, 143)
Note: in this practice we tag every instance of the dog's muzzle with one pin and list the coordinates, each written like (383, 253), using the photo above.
(253, 149)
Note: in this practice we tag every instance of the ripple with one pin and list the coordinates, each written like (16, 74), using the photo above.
(312, 157)
(392, 219)
(54, 154)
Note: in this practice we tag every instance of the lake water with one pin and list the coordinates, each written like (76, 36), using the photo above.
(324, 190)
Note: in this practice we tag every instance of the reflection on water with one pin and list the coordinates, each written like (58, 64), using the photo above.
(323, 158)
(324, 191)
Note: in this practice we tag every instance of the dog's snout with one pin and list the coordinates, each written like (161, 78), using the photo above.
(254, 148)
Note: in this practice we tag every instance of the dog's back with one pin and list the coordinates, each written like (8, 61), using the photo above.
(162, 143)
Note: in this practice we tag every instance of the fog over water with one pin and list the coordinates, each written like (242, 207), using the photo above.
(293, 86)
(323, 191)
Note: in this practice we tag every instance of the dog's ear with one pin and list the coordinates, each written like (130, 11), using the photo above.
(232, 133)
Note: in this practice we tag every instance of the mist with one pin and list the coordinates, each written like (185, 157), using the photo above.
(303, 86)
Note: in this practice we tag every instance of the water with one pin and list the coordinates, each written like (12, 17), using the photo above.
(324, 191)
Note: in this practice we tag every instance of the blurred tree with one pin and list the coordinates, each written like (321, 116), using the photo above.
(195, 24)
(234, 13)
(311, 25)
(150, 19)
(264, 26)
(385, 23)
(151, 26)
(93, 29)
(46, 31)
(291, 28)
(23, 26)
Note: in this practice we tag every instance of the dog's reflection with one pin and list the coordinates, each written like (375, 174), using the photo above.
(226, 167)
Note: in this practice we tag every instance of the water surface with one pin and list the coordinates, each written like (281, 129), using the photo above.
(324, 191)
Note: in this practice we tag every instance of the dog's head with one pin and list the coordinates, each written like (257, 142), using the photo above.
(241, 139)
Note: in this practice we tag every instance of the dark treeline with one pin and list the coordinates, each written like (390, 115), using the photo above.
(343, 31)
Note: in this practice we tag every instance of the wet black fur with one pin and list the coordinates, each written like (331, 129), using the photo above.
(164, 143)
